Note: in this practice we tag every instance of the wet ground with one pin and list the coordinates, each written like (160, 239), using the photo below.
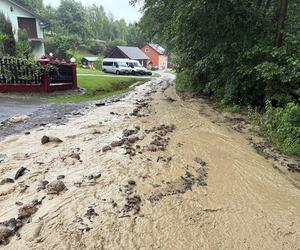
(151, 171)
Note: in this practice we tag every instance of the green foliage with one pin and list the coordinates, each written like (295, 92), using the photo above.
(77, 26)
(281, 126)
(24, 49)
(8, 43)
(226, 48)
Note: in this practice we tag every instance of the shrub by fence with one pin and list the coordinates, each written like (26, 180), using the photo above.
(21, 75)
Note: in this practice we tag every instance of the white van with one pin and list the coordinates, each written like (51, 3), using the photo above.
(115, 66)
(137, 68)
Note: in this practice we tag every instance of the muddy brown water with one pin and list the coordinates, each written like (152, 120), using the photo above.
(247, 204)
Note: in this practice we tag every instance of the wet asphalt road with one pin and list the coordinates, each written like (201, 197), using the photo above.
(10, 107)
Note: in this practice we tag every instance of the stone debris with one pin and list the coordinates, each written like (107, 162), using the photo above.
(22, 171)
(18, 119)
(47, 139)
(56, 187)
(2, 157)
(75, 156)
(293, 167)
(60, 177)
(27, 211)
(42, 185)
(106, 148)
(93, 176)
(6, 181)
(132, 204)
(8, 229)
(90, 213)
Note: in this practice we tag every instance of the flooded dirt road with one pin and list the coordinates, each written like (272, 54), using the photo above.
(149, 172)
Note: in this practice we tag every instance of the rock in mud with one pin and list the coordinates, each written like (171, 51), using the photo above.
(93, 176)
(8, 229)
(60, 177)
(18, 119)
(6, 181)
(100, 104)
(46, 139)
(75, 156)
(117, 143)
(56, 187)
(2, 157)
(90, 213)
(22, 171)
(5, 234)
(132, 204)
(42, 185)
(294, 167)
(199, 161)
(132, 182)
(106, 148)
(27, 211)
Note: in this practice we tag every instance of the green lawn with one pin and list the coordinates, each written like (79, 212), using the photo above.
(89, 71)
(98, 88)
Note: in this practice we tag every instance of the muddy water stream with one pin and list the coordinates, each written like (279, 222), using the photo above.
(195, 185)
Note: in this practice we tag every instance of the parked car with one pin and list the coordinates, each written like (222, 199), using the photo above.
(115, 66)
(137, 68)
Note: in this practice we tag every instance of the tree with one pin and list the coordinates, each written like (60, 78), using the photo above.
(8, 43)
(24, 49)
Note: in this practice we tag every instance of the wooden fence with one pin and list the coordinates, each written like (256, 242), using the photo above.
(17, 75)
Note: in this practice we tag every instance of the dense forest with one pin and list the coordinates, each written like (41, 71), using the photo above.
(241, 53)
(73, 26)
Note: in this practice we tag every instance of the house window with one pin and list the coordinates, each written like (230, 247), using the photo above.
(147, 50)
(29, 25)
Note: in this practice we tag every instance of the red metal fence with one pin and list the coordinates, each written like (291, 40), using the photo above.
(17, 75)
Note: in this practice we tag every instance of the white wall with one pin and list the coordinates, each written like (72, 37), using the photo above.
(5, 7)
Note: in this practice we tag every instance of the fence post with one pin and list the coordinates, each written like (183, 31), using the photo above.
(45, 76)
(74, 74)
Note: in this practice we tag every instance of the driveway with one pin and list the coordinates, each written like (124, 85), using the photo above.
(15, 107)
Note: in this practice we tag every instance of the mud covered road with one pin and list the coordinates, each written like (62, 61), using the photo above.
(151, 171)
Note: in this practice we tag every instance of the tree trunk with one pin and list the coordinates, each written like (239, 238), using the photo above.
(282, 14)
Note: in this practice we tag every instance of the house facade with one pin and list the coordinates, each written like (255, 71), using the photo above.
(23, 18)
(132, 53)
(157, 55)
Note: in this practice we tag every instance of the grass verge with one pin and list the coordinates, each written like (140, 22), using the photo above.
(98, 88)
(89, 71)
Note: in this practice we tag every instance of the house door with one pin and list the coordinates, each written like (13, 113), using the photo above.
(29, 25)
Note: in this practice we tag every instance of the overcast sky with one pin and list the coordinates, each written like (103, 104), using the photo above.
(119, 8)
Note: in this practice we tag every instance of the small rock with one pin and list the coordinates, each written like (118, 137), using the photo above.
(22, 171)
(117, 143)
(61, 177)
(47, 139)
(6, 180)
(100, 104)
(93, 176)
(56, 187)
(5, 234)
(27, 133)
(27, 211)
(106, 148)
(132, 182)
(18, 119)
(2, 157)
(42, 185)
(75, 156)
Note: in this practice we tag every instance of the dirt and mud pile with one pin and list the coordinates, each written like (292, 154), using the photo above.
(150, 171)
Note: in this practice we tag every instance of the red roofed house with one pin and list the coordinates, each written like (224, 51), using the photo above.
(157, 55)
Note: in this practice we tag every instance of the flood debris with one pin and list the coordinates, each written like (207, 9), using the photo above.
(27, 211)
(47, 139)
(42, 185)
(6, 181)
(106, 148)
(8, 229)
(293, 167)
(22, 171)
(18, 119)
(93, 176)
(2, 157)
(56, 187)
(90, 213)
(132, 204)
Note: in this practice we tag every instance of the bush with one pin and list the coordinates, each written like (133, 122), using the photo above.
(282, 127)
